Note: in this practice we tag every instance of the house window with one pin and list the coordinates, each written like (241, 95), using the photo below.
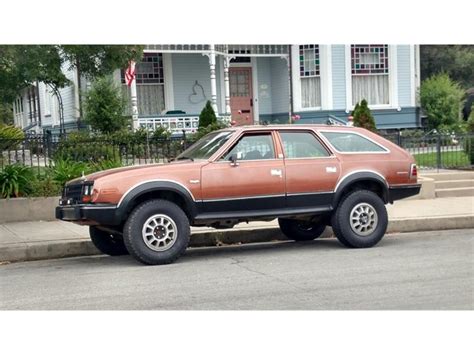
(310, 75)
(370, 73)
(18, 111)
(150, 85)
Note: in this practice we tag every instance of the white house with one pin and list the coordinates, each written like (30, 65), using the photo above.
(252, 84)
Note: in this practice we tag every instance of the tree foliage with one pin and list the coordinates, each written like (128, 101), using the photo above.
(207, 116)
(441, 100)
(6, 113)
(363, 116)
(104, 106)
(22, 65)
(455, 60)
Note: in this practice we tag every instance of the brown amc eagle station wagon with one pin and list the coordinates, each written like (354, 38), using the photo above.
(307, 176)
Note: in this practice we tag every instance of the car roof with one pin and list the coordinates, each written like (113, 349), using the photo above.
(292, 127)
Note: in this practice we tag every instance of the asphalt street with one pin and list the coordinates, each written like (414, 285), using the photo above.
(424, 270)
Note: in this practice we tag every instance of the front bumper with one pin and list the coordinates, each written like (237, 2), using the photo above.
(403, 191)
(103, 214)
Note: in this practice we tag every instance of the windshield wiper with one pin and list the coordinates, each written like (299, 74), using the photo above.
(184, 158)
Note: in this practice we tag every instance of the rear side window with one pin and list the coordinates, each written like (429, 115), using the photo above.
(347, 142)
(302, 145)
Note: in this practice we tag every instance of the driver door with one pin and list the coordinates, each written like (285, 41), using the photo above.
(256, 182)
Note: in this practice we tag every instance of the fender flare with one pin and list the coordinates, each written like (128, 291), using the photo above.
(354, 177)
(142, 188)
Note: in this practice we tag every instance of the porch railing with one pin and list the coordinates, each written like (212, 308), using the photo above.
(223, 49)
(174, 124)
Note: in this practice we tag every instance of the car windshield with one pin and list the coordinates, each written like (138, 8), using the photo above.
(206, 146)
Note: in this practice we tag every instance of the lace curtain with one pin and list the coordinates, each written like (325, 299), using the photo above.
(373, 88)
(151, 99)
(311, 92)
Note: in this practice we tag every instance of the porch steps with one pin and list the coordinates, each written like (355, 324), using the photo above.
(448, 176)
(455, 192)
(448, 184)
(453, 184)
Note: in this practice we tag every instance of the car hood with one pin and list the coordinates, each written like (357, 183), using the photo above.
(142, 169)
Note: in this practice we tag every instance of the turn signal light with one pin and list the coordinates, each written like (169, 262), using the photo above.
(86, 198)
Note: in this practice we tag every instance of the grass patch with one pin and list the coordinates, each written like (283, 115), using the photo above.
(455, 159)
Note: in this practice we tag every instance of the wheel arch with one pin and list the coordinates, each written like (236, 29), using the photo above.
(363, 180)
(167, 190)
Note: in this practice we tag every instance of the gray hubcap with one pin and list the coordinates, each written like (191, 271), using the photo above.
(159, 232)
(363, 219)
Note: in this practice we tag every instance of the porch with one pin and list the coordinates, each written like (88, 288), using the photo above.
(248, 84)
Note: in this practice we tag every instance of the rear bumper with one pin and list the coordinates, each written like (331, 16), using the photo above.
(403, 191)
(96, 214)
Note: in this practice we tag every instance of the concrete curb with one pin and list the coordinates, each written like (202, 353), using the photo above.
(83, 247)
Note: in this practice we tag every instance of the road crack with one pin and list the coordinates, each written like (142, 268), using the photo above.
(240, 264)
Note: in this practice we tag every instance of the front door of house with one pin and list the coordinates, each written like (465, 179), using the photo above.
(241, 101)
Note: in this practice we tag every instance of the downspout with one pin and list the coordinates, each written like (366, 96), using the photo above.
(290, 75)
(39, 106)
(78, 96)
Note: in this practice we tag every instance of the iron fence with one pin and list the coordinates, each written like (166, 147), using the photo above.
(42, 151)
(437, 151)
(430, 151)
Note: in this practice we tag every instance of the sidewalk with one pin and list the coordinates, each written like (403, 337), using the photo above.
(46, 240)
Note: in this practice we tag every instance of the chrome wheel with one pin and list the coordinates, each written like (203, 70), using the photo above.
(159, 232)
(363, 219)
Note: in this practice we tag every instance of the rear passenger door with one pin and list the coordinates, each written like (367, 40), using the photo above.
(311, 170)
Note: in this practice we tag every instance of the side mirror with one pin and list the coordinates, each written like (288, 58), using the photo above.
(233, 160)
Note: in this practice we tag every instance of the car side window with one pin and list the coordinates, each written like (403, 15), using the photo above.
(253, 147)
(302, 145)
(347, 142)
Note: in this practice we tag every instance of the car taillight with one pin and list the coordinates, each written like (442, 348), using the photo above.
(413, 171)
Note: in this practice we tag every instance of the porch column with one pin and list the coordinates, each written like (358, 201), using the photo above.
(227, 85)
(212, 67)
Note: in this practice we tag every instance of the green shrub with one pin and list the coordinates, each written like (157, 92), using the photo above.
(469, 143)
(202, 131)
(44, 186)
(441, 100)
(104, 165)
(363, 116)
(104, 106)
(81, 147)
(15, 181)
(10, 137)
(64, 170)
(207, 116)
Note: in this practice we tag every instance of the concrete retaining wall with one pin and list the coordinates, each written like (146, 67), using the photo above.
(28, 209)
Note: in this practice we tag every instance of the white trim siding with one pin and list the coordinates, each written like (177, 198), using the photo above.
(256, 114)
(326, 76)
(392, 77)
(168, 81)
(347, 54)
(220, 60)
(412, 76)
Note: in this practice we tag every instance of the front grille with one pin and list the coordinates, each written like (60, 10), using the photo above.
(73, 193)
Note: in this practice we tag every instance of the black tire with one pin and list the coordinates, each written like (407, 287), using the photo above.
(165, 250)
(354, 236)
(299, 230)
(107, 243)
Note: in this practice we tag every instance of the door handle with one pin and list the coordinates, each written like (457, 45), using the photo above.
(276, 172)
